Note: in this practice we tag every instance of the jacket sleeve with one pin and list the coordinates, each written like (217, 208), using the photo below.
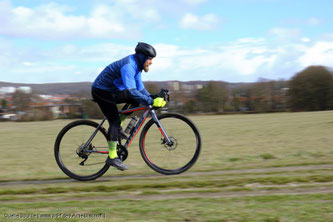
(140, 97)
(130, 82)
(144, 92)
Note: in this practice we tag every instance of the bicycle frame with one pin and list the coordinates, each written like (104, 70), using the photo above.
(148, 110)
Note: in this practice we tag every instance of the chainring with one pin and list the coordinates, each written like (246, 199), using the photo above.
(122, 152)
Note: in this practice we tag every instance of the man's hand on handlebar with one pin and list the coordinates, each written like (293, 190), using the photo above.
(159, 102)
(160, 98)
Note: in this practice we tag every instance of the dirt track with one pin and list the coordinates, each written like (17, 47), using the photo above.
(256, 189)
(188, 174)
(296, 191)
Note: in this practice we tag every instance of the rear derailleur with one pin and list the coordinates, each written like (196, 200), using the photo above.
(81, 152)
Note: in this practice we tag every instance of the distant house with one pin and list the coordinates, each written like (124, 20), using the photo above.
(58, 110)
(57, 105)
(7, 90)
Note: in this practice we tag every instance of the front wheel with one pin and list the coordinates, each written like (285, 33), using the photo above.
(175, 158)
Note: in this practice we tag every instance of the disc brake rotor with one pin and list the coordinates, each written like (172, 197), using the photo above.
(173, 146)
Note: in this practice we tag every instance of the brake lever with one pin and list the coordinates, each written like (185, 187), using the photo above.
(165, 93)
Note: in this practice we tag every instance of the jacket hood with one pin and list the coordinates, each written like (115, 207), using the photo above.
(140, 60)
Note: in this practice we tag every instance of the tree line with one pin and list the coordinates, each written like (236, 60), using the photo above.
(309, 90)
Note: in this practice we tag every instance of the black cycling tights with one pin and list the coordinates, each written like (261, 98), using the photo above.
(108, 101)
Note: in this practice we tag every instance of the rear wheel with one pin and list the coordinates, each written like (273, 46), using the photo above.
(77, 160)
(176, 157)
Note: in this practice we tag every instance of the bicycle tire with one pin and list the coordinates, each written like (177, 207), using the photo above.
(174, 129)
(58, 145)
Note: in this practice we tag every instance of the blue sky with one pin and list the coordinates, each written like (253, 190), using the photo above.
(227, 40)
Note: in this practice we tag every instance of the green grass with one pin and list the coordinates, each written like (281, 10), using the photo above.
(229, 142)
(266, 208)
(267, 156)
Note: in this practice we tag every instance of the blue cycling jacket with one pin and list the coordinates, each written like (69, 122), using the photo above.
(125, 74)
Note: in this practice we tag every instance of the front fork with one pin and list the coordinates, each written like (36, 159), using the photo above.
(160, 127)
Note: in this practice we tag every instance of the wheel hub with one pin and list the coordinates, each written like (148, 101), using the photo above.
(171, 146)
(81, 151)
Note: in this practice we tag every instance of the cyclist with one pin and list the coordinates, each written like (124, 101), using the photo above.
(120, 82)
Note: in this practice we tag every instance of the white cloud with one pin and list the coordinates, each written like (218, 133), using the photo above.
(124, 19)
(241, 60)
(23, 12)
(245, 57)
(142, 10)
(102, 22)
(285, 32)
(54, 21)
(205, 22)
(305, 39)
(321, 53)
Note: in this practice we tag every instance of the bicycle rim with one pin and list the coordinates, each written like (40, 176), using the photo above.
(70, 154)
(173, 159)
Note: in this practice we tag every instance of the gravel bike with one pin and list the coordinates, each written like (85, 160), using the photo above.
(169, 143)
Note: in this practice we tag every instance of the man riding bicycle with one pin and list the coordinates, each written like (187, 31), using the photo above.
(120, 82)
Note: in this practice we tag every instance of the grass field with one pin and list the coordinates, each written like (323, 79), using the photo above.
(220, 187)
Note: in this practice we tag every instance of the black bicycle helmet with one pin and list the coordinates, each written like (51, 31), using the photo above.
(145, 49)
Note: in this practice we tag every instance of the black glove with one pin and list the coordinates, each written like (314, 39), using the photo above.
(164, 93)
